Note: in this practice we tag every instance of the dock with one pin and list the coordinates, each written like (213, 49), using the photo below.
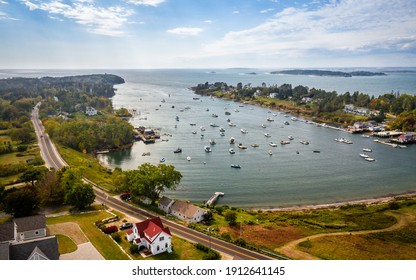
(386, 143)
(214, 198)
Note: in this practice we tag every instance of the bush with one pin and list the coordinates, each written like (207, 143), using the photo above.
(202, 247)
(240, 242)
(116, 236)
(394, 205)
(134, 249)
(212, 255)
(110, 229)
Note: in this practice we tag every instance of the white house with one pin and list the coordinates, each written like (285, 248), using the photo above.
(90, 111)
(152, 235)
(165, 203)
(187, 212)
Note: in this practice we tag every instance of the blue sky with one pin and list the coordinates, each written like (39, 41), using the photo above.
(207, 33)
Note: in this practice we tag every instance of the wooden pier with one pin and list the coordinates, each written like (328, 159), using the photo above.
(214, 198)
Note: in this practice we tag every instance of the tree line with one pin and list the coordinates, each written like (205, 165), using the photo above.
(320, 101)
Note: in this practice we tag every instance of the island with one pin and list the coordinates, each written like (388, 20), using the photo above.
(328, 73)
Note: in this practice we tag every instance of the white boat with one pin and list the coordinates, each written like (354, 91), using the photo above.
(231, 124)
(231, 151)
(267, 135)
(364, 155)
(244, 131)
(272, 144)
(202, 128)
(304, 142)
(290, 137)
(293, 119)
(221, 129)
(188, 158)
(235, 166)
(369, 159)
(207, 149)
(263, 126)
(254, 145)
(270, 119)
(212, 141)
(222, 133)
(365, 136)
(368, 150)
(284, 142)
(193, 132)
(270, 152)
(232, 140)
(162, 159)
(213, 125)
(343, 140)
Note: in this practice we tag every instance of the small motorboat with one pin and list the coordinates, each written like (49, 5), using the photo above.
(162, 159)
(364, 155)
(267, 135)
(232, 140)
(188, 158)
(369, 159)
(241, 146)
(272, 144)
(207, 149)
(178, 150)
(368, 150)
(231, 151)
(244, 131)
(235, 166)
(212, 142)
(254, 145)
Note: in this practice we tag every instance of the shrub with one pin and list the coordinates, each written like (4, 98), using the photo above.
(202, 247)
(394, 205)
(116, 236)
(134, 249)
(110, 229)
(212, 255)
(240, 242)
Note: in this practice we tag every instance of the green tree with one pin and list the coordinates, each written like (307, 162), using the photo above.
(80, 195)
(230, 217)
(151, 180)
(22, 202)
(33, 174)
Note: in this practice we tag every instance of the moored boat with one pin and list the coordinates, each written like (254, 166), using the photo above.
(207, 149)
(284, 142)
(241, 146)
(369, 159)
(267, 135)
(232, 140)
(235, 166)
(368, 150)
(231, 151)
(364, 155)
(272, 144)
(244, 131)
(254, 145)
(178, 150)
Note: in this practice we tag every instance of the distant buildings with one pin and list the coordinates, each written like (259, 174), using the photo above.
(25, 239)
(349, 108)
(90, 111)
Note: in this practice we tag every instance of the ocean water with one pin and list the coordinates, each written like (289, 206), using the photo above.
(294, 175)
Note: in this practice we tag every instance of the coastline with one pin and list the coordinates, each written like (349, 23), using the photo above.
(337, 205)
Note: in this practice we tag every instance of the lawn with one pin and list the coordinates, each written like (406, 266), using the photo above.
(66, 245)
(103, 243)
(90, 165)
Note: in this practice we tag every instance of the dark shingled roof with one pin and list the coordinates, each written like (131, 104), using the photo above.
(6, 232)
(4, 251)
(22, 250)
(30, 223)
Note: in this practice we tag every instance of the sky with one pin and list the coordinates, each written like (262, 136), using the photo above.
(143, 34)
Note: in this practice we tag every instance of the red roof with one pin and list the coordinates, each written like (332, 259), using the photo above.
(129, 231)
(151, 227)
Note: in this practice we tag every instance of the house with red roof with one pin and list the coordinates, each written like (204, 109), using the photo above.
(152, 235)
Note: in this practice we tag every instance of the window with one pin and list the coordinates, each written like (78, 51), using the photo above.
(157, 248)
(161, 238)
(166, 245)
(36, 232)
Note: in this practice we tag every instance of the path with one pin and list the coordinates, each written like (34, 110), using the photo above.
(292, 252)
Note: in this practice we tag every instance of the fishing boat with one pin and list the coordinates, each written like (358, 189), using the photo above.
(207, 149)
(235, 166)
(284, 142)
(178, 150)
(231, 151)
(364, 155)
(177, 118)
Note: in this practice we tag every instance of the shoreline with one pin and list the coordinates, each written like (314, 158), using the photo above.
(337, 205)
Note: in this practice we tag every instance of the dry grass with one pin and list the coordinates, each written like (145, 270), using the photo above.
(72, 230)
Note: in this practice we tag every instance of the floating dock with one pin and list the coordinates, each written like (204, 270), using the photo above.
(214, 198)
(386, 143)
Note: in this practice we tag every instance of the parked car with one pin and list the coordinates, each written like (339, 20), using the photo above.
(125, 196)
(126, 226)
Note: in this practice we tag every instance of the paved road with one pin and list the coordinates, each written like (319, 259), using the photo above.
(53, 159)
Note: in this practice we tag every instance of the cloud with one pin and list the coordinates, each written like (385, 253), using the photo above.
(341, 26)
(153, 3)
(107, 21)
(266, 11)
(185, 31)
(208, 21)
(236, 12)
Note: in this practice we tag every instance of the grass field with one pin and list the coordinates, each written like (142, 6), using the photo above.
(66, 245)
